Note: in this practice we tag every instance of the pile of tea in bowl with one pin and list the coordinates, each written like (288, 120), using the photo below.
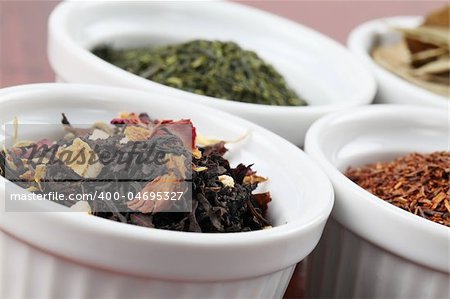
(417, 183)
(422, 57)
(141, 171)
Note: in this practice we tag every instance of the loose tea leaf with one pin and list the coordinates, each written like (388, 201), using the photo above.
(395, 58)
(213, 68)
(222, 196)
(217, 207)
(422, 57)
(417, 183)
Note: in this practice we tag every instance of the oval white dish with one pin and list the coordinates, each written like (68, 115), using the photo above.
(154, 263)
(318, 68)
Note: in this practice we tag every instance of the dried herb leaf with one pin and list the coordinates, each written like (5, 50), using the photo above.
(435, 67)
(396, 59)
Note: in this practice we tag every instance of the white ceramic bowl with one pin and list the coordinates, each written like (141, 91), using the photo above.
(318, 68)
(391, 88)
(63, 254)
(370, 248)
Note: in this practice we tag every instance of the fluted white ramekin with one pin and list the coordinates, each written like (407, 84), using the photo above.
(321, 70)
(370, 248)
(72, 255)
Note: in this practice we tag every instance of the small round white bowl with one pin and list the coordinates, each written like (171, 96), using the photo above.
(370, 248)
(138, 262)
(318, 68)
(391, 88)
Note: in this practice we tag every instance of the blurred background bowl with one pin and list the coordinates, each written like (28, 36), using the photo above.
(319, 69)
(391, 88)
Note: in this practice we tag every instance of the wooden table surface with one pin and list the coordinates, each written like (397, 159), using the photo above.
(23, 30)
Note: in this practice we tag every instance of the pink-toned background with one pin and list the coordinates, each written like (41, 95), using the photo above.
(23, 27)
(23, 40)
